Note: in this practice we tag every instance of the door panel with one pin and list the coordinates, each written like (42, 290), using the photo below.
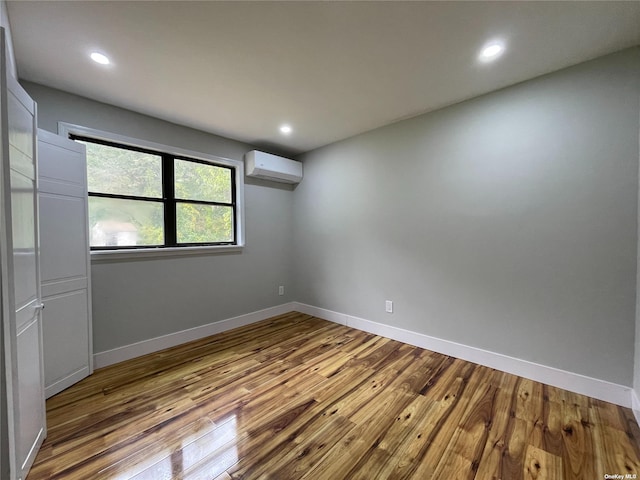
(24, 252)
(62, 237)
(65, 322)
(21, 128)
(31, 414)
(61, 172)
(23, 324)
(64, 261)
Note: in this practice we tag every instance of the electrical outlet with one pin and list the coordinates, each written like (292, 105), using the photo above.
(388, 306)
(281, 290)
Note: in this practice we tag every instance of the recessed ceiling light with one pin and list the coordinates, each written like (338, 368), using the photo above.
(100, 58)
(286, 129)
(491, 52)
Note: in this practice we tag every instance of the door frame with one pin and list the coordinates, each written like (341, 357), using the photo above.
(6, 264)
(17, 467)
(7, 447)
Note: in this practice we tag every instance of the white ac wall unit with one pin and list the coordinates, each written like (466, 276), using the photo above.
(271, 167)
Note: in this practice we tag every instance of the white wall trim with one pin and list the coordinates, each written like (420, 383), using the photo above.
(593, 387)
(330, 315)
(65, 129)
(635, 405)
(61, 384)
(127, 352)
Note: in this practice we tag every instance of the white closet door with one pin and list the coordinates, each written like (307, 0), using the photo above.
(23, 325)
(64, 260)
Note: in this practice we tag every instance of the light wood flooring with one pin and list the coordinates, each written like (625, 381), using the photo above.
(296, 397)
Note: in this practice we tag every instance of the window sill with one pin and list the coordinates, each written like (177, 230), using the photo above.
(101, 256)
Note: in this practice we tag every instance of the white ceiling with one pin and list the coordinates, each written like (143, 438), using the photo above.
(330, 69)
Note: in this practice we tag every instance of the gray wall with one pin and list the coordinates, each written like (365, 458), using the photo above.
(4, 23)
(507, 222)
(138, 300)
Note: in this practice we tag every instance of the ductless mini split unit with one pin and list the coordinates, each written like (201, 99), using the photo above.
(271, 167)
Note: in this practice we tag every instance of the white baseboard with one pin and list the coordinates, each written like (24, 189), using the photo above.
(330, 315)
(635, 405)
(593, 387)
(66, 382)
(127, 352)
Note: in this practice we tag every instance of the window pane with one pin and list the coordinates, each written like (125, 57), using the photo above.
(123, 172)
(204, 223)
(118, 222)
(198, 181)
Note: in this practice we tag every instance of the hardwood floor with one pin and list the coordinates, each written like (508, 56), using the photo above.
(295, 397)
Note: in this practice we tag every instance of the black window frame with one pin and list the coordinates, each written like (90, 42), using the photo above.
(168, 199)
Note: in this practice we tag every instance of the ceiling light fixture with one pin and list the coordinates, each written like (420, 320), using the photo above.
(286, 129)
(491, 52)
(100, 58)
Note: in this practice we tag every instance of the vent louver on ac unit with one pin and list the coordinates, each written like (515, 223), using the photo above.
(271, 167)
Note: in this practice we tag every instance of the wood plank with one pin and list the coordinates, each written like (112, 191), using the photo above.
(578, 457)
(305, 448)
(210, 449)
(344, 458)
(613, 452)
(541, 465)
(469, 438)
(491, 463)
(142, 459)
(224, 476)
(400, 445)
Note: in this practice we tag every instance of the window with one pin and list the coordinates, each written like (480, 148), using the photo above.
(145, 198)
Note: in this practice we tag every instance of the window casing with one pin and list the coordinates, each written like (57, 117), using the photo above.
(185, 214)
